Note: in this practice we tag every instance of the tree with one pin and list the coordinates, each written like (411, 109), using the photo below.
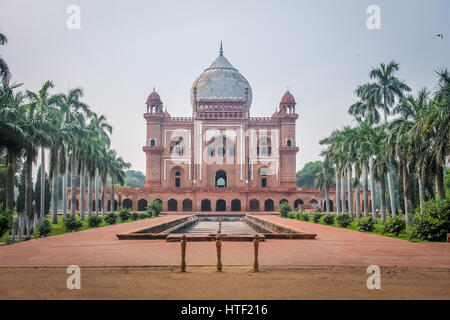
(42, 101)
(5, 74)
(324, 181)
(385, 91)
(307, 175)
(134, 179)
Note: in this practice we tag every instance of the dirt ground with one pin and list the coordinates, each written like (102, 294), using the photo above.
(232, 283)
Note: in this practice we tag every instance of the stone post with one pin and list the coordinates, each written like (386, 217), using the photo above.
(183, 253)
(219, 253)
(256, 245)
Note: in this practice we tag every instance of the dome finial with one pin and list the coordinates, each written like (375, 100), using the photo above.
(221, 48)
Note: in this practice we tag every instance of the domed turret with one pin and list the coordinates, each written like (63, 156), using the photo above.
(288, 98)
(154, 103)
(221, 83)
(287, 104)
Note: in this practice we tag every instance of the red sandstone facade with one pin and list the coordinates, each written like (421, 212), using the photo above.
(221, 158)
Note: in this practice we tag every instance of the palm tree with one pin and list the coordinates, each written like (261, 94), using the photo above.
(73, 111)
(43, 101)
(116, 171)
(12, 136)
(37, 123)
(5, 75)
(324, 181)
(100, 140)
(385, 91)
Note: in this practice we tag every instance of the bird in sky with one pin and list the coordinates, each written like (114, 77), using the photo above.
(440, 35)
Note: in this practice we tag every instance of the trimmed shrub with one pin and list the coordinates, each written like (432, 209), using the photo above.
(292, 215)
(111, 218)
(94, 220)
(316, 217)
(72, 224)
(394, 225)
(134, 216)
(303, 216)
(284, 209)
(343, 220)
(366, 224)
(6, 219)
(124, 214)
(155, 208)
(144, 215)
(434, 223)
(328, 219)
(44, 228)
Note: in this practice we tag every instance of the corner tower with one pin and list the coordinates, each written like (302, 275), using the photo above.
(288, 147)
(153, 146)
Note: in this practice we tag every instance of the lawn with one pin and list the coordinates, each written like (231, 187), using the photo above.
(378, 229)
(59, 228)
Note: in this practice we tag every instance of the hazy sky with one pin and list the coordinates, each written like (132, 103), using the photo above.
(321, 49)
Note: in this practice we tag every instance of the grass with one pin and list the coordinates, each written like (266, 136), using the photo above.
(59, 228)
(378, 229)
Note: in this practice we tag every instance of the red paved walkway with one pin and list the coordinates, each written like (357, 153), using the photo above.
(332, 247)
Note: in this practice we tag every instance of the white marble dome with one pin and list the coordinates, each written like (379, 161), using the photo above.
(221, 82)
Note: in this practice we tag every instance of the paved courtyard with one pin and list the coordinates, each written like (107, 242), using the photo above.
(332, 247)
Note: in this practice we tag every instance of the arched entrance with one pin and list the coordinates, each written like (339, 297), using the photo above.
(254, 205)
(221, 205)
(142, 205)
(172, 205)
(298, 203)
(314, 203)
(127, 204)
(221, 179)
(109, 205)
(236, 205)
(325, 205)
(99, 204)
(187, 205)
(206, 205)
(268, 205)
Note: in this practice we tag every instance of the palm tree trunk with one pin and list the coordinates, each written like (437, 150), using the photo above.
(350, 190)
(103, 197)
(73, 190)
(389, 174)
(327, 199)
(82, 192)
(90, 178)
(372, 189)
(112, 197)
(64, 189)
(338, 192)
(365, 191)
(96, 192)
(29, 192)
(439, 181)
(391, 192)
(383, 199)
(421, 192)
(10, 181)
(344, 206)
(405, 194)
(357, 195)
(42, 209)
(55, 192)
